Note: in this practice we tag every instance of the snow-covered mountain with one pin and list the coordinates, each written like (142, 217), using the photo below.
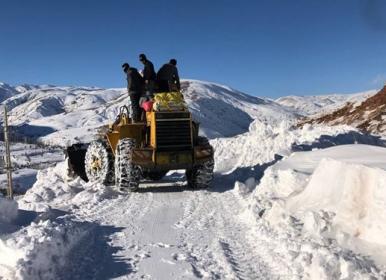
(6, 91)
(319, 104)
(63, 115)
(368, 115)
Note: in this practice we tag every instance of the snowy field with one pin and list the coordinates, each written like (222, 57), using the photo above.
(286, 203)
(26, 160)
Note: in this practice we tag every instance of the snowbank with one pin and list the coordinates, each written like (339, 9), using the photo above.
(53, 188)
(306, 162)
(39, 250)
(265, 139)
(355, 196)
(333, 207)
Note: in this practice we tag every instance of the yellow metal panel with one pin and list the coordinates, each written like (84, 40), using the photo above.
(153, 136)
(164, 158)
(149, 118)
(113, 138)
(143, 157)
(135, 131)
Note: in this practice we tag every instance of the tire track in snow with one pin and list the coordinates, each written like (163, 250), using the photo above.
(191, 207)
(239, 261)
(216, 242)
(199, 229)
(243, 256)
(118, 219)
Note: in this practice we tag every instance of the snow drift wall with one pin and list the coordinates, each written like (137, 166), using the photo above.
(356, 194)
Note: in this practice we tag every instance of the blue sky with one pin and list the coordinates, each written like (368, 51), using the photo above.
(266, 48)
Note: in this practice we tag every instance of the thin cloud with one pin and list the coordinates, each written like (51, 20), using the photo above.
(379, 79)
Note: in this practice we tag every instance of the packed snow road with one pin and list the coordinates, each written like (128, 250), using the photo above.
(169, 232)
(248, 225)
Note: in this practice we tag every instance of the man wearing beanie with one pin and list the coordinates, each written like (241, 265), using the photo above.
(135, 86)
(149, 75)
(167, 77)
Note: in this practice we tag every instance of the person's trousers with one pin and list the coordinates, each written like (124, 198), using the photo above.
(135, 109)
(149, 89)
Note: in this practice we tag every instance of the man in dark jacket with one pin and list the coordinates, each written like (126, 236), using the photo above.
(135, 86)
(149, 75)
(167, 77)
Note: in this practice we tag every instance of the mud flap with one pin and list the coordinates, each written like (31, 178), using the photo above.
(76, 155)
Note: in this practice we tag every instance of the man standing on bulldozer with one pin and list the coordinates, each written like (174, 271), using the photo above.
(135, 87)
(149, 75)
(167, 77)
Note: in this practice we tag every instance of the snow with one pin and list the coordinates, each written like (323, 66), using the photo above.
(310, 105)
(26, 160)
(62, 116)
(286, 203)
(37, 251)
(355, 194)
(267, 139)
(6, 91)
(22, 180)
(336, 194)
(306, 162)
(8, 210)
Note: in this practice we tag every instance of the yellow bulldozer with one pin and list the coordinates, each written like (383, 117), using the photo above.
(127, 153)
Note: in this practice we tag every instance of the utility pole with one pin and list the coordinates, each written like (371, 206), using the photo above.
(8, 165)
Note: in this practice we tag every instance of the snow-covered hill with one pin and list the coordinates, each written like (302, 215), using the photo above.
(368, 115)
(63, 115)
(6, 91)
(319, 104)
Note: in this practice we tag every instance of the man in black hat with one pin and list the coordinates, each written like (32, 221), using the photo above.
(135, 86)
(149, 75)
(167, 77)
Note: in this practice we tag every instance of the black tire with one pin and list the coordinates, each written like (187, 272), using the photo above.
(202, 141)
(201, 175)
(153, 175)
(127, 174)
(99, 165)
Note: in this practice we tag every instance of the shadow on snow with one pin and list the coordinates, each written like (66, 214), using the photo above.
(226, 182)
(92, 256)
(95, 258)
